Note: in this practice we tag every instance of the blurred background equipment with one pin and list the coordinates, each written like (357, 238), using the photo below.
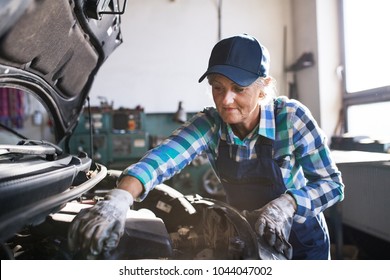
(119, 137)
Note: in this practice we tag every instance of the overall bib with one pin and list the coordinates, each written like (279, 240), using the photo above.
(250, 184)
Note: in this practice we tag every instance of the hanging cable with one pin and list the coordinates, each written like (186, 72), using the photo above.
(90, 129)
(219, 19)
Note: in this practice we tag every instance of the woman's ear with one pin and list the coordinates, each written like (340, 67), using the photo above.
(267, 81)
(261, 94)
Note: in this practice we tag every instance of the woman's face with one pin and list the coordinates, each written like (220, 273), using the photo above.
(237, 105)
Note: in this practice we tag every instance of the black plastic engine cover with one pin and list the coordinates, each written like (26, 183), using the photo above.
(144, 238)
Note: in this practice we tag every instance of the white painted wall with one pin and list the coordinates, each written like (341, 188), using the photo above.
(167, 46)
(316, 29)
(329, 61)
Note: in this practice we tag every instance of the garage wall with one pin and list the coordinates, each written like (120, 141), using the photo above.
(316, 30)
(167, 46)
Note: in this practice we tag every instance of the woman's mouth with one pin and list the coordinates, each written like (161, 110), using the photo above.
(228, 109)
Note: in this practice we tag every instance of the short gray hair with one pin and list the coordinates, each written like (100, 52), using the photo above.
(267, 85)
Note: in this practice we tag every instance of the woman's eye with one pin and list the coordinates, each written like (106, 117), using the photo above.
(217, 88)
(238, 89)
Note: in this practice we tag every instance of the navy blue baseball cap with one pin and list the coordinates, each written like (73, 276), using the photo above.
(241, 59)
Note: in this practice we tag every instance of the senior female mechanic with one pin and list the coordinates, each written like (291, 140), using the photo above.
(269, 153)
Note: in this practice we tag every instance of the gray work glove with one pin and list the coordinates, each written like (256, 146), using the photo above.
(273, 223)
(100, 227)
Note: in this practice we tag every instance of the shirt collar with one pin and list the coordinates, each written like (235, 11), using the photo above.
(267, 119)
(265, 128)
(230, 137)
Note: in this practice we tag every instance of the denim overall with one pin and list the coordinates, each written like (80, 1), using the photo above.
(250, 184)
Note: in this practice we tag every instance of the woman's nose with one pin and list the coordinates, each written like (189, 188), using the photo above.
(228, 97)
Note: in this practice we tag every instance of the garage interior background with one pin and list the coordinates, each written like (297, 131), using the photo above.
(167, 45)
(166, 48)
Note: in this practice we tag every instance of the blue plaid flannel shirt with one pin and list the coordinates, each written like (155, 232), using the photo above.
(309, 172)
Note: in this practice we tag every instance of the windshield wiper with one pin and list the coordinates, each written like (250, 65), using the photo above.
(32, 147)
(12, 131)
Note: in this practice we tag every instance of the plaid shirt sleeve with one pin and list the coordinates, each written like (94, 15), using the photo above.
(175, 153)
(314, 179)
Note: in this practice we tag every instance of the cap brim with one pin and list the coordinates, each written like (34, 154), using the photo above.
(239, 76)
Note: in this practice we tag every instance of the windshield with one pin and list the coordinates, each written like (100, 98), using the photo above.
(8, 137)
(23, 113)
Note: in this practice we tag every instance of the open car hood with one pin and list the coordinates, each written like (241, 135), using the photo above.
(51, 50)
(54, 49)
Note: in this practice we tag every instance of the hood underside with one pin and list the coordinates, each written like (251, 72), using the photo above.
(54, 49)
